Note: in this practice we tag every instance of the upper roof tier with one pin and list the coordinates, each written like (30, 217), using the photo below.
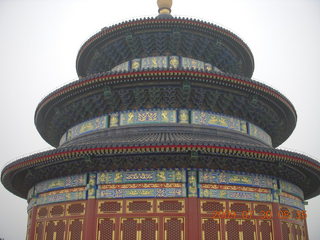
(164, 36)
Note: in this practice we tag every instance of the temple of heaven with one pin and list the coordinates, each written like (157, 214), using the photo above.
(165, 136)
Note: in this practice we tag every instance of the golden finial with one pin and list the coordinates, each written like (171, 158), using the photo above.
(164, 6)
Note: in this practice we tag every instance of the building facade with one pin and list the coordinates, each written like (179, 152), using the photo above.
(165, 136)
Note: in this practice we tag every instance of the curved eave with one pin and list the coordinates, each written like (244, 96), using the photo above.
(154, 24)
(218, 79)
(64, 155)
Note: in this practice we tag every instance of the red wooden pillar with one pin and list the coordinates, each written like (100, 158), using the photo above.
(90, 220)
(277, 231)
(193, 223)
(32, 226)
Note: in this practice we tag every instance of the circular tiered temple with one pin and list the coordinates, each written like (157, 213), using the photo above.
(165, 136)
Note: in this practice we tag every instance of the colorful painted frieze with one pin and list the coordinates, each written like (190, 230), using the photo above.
(136, 64)
(152, 191)
(212, 119)
(192, 63)
(223, 177)
(88, 126)
(154, 62)
(258, 133)
(175, 175)
(291, 188)
(192, 184)
(243, 127)
(114, 120)
(171, 62)
(148, 116)
(291, 202)
(91, 186)
(61, 183)
(62, 197)
(174, 62)
(184, 116)
(235, 195)
(121, 67)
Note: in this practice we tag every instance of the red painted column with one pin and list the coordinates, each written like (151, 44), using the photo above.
(193, 219)
(276, 221)
(33, 224)
(90, 221)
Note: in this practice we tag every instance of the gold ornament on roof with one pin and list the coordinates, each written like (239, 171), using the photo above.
(164, 6)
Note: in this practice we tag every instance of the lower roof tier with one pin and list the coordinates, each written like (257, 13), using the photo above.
(216, 92)
(19, 176)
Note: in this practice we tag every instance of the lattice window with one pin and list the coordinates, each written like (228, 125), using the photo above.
(129, 229)
(210, 229)
(75, 229)
(261, 208)
(42, 212)
(212, 206)
(285, 231)
(139, 228)
(174, 228)
(265, 228)
(50, 231)
(60, 230)
(106, 229)
(171, 206)
(55, 230)
(239, 207)
(149, 229)
(110, 207)
(39, 230)
(75, 208)
(232, 229)
(249, 229)
(57, 210)
(299, 233)
(140, 206)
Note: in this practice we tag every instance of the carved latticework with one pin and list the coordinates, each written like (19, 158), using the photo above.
(285, 227)
(75, 229)
(210, 206)
(265, 229)
(259, 208)
(149, 229)
(210, 229)
(106, 228)
(129, 229)
(249, 229)
(239, 207)
(42, 212)
(110, 207)
(139, 229)
(55, 230)
(139, 206)
(174, 228)
(171, 206)
(232, 229)
(57, 211)
(75, 209)
(39, 230)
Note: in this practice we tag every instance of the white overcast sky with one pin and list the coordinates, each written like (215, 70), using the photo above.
(39, 41)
